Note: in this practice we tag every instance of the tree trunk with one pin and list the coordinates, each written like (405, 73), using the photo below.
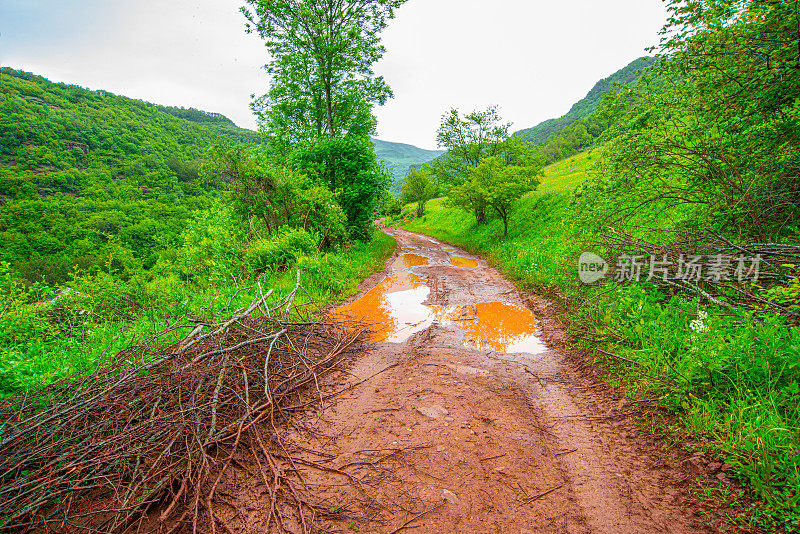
(420, 208)
(329, 107)
(480, 214)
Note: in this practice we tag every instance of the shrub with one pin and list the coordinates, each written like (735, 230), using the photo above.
(281, 252)
(211, 250)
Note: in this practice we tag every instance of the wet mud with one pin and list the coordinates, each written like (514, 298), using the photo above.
(469, 415)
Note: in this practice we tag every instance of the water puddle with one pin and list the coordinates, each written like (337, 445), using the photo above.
(497, 326)
(405, 261)
(449, 249)
(458, 261)
(409, 248)
(395, 306)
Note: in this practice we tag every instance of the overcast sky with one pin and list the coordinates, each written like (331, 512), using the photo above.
(532, 58)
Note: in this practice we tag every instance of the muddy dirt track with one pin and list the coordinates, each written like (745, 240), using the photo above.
(469, 416)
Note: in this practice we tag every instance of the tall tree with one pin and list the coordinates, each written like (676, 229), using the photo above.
(322, 56)
(471, 138)
(474, 136)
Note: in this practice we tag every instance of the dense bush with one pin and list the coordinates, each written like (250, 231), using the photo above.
(281, 252)
(347, 167)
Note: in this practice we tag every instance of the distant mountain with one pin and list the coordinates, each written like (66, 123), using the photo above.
(541, 133)
(400, 157)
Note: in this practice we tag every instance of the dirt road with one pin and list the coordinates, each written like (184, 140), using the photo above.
(467, 416)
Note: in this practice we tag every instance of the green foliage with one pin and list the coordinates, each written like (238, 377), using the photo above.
(349, 169)
(196, 115)
(418, 188)
(473, 138)
(211, 244)
(713, 131)
(494, 185)
(321, 67)
(282, 252)
(389, 206)
(23, 315)
(264, 189)
(62, 207)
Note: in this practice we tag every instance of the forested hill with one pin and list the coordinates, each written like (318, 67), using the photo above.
(400, 157)
(82, 172)
(213, 121)
(585, 107)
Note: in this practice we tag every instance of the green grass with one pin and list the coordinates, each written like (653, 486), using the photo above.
(567, 174)
(734, 382)
(42, 342)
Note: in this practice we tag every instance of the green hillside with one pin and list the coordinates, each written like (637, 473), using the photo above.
(583, 108)
(399, 157)
(84, 173)
(567, 174)
(213, 121)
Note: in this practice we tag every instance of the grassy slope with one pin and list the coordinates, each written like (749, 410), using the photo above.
(746, 418)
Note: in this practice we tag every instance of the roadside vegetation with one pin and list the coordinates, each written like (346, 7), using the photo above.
(163, 277)
(120, 217)
(698, 160)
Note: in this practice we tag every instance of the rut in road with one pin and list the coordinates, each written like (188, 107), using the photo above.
(462, 419)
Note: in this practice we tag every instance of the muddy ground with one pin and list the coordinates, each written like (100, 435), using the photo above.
(442, 431)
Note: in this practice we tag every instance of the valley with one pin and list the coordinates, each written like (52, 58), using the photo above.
(588, 325)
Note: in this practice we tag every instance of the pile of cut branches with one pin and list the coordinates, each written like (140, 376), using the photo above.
(144, 442)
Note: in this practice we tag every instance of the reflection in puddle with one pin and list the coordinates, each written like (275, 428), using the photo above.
(409, 248)
(395, 307)
(458, 261)
(497, 326)
(449, 249)
(409, 260)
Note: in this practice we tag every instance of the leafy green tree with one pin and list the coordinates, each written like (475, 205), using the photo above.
(468, 139)
(493, 184)
(418, 188)
(471, 139)
(474, 136)
(348, 168)
(322, 55)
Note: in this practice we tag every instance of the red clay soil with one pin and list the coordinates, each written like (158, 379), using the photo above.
(435, 436)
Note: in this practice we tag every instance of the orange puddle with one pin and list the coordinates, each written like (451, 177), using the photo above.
(449, 249)
(497, 326)
(458, 261)
(409, 248)
(395, 306)
(409, 260)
